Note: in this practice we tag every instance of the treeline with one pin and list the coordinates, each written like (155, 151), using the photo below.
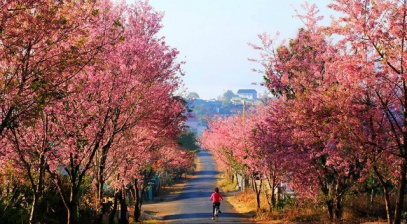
(88, 109)
(336, 129)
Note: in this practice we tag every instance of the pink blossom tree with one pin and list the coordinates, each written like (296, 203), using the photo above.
(26, 149)
(45, 63)
(43, 45)
(135, 89)
(229, 139)
(149, 72)
(372, 43)
(127, 85)
(320, 110)
(274, 146)
(144, 149)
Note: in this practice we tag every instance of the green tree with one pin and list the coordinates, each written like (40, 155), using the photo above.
(193, 96)
(188, 141)
(228, 95)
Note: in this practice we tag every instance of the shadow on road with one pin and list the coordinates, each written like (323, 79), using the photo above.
(207, 172)
(202, 215)
(203, 179)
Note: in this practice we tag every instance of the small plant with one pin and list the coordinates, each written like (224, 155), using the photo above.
(226, 185)
(288, 201)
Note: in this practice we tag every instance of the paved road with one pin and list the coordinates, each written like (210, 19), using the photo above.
(193, 204)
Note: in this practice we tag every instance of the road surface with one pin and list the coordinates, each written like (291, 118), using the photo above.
(193, 204)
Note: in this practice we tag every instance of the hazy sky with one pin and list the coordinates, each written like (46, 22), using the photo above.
(212, 37)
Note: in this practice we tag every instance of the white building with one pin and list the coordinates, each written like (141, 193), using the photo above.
(247, 93)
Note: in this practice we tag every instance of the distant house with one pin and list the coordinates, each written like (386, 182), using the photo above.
(237, 100)
(247, 93)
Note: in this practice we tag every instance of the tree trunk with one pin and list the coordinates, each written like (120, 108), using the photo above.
(36, 197)
(123, 207)
(33, 209)
(386, 195)
(69, 203)
(340, 189)
(137, 202)
(372, 194)
(72, 211)
(38, 187)
(69, 221)
(237, 179)
(258, 200)
(99, 202)
(72, 216)
(387, 202)
(271, 200)
(257, 190)
(245, 182)
(114, 209)
(99, 188)
(101, 177)
(329, 204)
(400, 194)
(338, 211)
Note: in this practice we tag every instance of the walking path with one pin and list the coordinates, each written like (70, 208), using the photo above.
(192, 205)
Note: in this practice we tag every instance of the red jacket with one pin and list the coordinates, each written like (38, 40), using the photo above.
(216, 197)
